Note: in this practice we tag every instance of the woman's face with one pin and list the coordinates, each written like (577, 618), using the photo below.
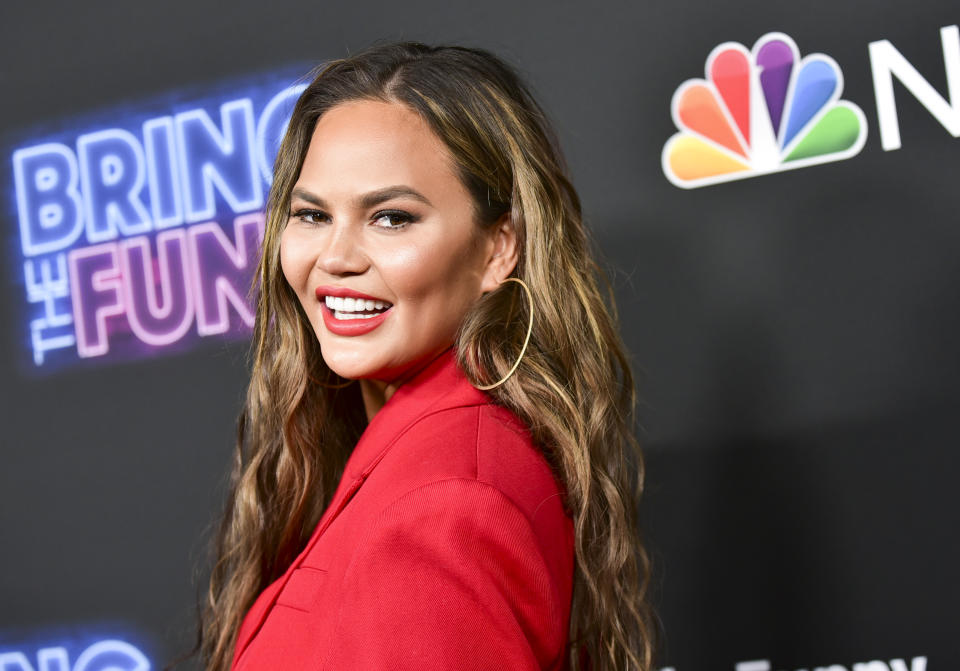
(379, 214)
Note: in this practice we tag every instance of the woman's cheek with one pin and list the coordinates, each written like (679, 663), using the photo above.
(292, 259)
(406, 269)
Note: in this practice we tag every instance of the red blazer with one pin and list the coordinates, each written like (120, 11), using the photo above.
(445, 546)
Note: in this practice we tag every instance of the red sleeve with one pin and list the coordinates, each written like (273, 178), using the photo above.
(449, 576)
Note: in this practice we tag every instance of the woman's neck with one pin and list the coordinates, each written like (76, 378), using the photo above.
(375, 394)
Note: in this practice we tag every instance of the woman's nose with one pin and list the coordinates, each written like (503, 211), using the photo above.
(341, 252)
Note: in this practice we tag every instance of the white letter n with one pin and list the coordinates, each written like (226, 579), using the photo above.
(886, 62)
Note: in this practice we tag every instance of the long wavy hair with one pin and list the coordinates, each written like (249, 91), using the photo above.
(573, 387)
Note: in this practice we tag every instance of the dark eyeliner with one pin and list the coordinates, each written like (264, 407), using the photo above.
(401, 216)
(301, 213)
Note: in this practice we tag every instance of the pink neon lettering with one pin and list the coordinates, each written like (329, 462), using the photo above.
(164, 319)
(95, 284)
(223, 271)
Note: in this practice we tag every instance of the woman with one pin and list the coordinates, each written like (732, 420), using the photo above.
(435, 466)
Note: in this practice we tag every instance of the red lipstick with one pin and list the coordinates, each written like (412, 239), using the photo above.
(344, 293)
(348, 327)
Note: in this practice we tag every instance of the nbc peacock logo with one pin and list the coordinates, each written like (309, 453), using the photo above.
(758, 112)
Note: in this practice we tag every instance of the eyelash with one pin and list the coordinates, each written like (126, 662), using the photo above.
(394, 215)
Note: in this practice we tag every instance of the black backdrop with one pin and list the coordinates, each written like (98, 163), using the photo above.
(794, 334)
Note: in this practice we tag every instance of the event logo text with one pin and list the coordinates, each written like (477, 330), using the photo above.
(142, 234)
(766, 109)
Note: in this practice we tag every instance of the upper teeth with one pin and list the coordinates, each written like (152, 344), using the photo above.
(346, 304)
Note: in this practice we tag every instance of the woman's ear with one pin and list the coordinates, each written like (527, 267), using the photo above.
(503, 255)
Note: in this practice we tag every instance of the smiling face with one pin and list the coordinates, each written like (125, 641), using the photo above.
(378, 213)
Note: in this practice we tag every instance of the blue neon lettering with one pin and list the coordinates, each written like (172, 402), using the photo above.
(102, 655)
(54, 328)
(165, 201)
(112, 175)
(111, 656)
(117, 227)
(53, 659)
(210, 158)
(272, 126)
(14, 661)
(49, 204)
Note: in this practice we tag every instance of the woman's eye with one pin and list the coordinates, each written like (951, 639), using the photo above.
(392, 219)
(308, 216)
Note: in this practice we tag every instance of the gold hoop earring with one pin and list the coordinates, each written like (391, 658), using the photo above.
(525, 341)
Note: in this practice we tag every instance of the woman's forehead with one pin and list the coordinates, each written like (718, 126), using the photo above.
(371, 123)
(366, 145)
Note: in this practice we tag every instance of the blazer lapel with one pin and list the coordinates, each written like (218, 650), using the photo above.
(439, 385)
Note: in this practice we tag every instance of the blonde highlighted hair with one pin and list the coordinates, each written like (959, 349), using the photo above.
(574, 387)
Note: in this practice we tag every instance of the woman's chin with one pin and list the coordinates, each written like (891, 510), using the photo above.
(350, 365)
(346, 371)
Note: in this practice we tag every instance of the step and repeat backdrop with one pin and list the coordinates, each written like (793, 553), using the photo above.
(773, 189)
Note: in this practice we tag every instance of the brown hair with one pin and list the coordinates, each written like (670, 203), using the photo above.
(573, 388)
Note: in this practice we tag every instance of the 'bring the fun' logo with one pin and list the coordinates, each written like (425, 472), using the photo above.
(758, 112)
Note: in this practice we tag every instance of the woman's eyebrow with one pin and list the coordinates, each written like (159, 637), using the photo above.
(367, 200)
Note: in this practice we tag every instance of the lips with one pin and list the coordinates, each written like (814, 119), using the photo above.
(337, 302)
